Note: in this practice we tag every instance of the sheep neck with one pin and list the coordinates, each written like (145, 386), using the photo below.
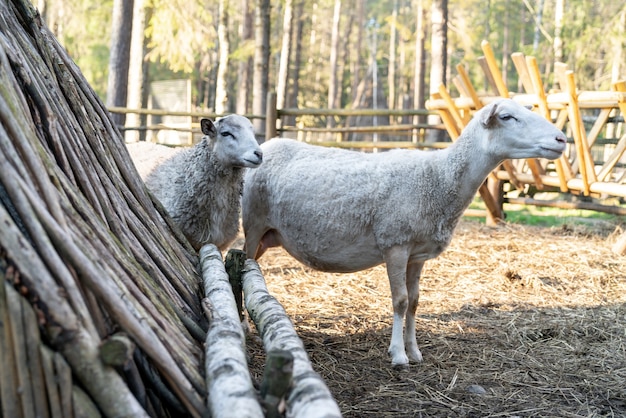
(470, 163)
(203, 151)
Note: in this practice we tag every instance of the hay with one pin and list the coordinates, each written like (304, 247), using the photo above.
(513, 321)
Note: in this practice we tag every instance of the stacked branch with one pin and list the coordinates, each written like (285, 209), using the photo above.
(84, 242)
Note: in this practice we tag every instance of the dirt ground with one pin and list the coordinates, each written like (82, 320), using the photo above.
(513, 321)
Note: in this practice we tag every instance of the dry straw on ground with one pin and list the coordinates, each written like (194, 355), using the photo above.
(513, 321)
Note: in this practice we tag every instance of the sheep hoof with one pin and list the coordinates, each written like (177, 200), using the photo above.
(416, 356)
(400, 367)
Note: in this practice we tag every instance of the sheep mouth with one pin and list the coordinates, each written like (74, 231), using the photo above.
(552, 151)
(252, 163)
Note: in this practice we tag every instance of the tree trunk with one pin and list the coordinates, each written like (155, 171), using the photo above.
(292, 95)
(244, 71)
(261, 63)
(391, 75)
(285, 56)
(357, 61)
(559, 8)
(439, 56)
(221, 86)
(334, 53)
(345, 58)
(506, 47)
(538, 19)
(117, 86)
(138, 71)
(419, 80)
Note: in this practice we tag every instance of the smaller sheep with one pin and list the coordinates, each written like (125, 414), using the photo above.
(200, 187)
(344, 211)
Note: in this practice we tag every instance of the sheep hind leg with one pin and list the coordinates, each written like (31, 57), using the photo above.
(396, 259)
(414, 271)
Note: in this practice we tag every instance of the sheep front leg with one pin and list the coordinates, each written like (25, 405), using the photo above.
(414, 271)
(396, 259)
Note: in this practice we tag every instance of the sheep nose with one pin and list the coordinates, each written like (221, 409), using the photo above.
(561, 139)
(259, 155)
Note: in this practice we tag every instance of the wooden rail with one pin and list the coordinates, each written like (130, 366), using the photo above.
(413, 132)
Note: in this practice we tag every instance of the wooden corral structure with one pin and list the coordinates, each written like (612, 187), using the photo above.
(105, 309)
(593, 165)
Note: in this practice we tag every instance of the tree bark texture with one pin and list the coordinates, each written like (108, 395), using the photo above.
(231, 392)
(260, 81)
(221, 87)
(137, 70)
(89, 249)
(309, 396)
(244, 71)
(117, 86)
(285, 55)
(334, 54)
(438, 57)
(277, 378)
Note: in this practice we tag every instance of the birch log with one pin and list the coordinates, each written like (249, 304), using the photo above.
(230, 388)
(309, 396)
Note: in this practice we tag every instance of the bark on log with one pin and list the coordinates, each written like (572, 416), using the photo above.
(277, 379)
(117, 350)
(309, 396)
(230, 388)
(234, 262)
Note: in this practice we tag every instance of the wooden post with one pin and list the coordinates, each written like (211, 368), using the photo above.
(271, 117)
(234, 267)
(491, 193)
(277, 379)
(493, 69)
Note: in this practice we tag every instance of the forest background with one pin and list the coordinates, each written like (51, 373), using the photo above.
(327, 53)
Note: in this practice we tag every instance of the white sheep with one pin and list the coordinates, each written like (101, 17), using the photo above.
(200, 186)
(344, 211)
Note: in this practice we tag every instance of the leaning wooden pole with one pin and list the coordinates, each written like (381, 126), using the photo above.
(230, 389)
(309, 396)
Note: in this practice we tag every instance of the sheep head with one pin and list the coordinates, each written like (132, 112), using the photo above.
(515, 131)
(232, 140)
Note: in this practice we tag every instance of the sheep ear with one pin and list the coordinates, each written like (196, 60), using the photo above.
(208, 128)
(489, 119)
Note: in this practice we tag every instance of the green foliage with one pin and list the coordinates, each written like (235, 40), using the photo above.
(183, 39)
(181, 32)
(83, 28)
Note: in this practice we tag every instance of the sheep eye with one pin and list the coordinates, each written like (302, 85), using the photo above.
(227, 134)
(507, 116)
